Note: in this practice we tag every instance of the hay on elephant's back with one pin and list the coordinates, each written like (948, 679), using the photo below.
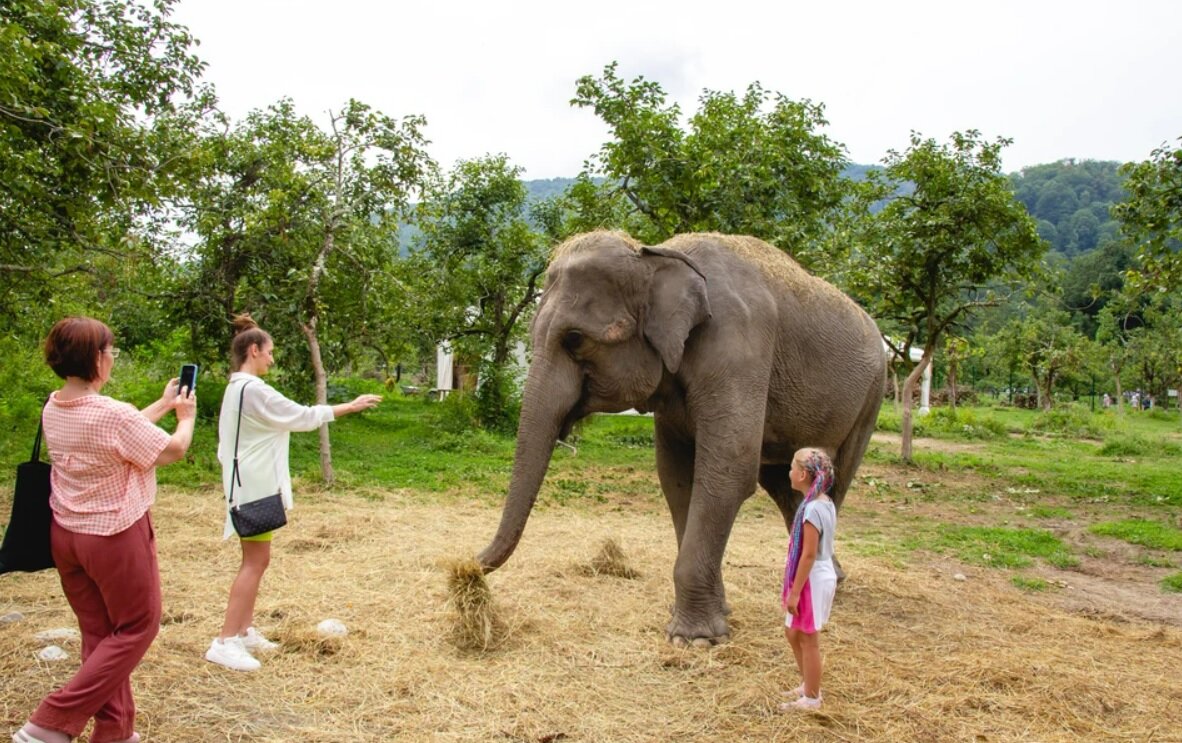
(476, 625)
(609, 561)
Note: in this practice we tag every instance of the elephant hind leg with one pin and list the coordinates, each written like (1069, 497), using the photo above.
(849, 454)
(774, 479)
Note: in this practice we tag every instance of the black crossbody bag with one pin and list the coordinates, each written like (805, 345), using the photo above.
(26, 539)
(258, 516)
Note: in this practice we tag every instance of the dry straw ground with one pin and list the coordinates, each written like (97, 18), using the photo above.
(912, 654)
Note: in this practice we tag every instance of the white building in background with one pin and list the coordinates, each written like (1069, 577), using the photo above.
(445, 371)
(925, 387)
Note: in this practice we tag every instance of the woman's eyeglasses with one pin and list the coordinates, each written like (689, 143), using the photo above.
(114, 352)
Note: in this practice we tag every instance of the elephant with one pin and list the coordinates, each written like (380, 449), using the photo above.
(742, 357)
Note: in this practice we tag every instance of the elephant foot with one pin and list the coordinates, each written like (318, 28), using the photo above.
(701, 632)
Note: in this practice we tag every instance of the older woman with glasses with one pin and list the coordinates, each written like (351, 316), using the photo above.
(105, 455)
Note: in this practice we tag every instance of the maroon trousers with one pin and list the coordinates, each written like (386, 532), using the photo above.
(113, 586)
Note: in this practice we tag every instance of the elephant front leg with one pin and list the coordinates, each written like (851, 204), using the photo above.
(700, 609)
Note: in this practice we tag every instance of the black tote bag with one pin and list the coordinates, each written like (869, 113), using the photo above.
(26, 539)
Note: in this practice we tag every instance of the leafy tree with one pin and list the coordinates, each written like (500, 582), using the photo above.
(1152, 215)
(479, 268)
(98, 104)
(753, 164)
(933, 256)
(301, 223)
(1049, 348)
(1091, 280)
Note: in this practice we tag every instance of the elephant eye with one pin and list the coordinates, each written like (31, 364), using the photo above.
(572, 340)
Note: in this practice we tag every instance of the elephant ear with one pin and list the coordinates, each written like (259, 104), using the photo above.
(677, 303)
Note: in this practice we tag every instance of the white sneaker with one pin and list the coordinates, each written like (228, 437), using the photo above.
(231, 654)
(254, 640)
(804, 704)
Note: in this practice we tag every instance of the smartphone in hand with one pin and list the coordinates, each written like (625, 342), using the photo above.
(189, 378)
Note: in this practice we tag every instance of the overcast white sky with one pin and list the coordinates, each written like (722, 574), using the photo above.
(1083, 79)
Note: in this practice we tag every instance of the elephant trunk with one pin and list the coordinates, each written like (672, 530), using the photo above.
(552, 390)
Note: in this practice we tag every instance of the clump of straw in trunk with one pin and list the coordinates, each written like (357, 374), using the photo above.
(609, 561)
(476, 624)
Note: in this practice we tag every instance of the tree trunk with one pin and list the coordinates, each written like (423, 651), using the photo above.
(908, 393)
(1120, 397)
(309, 328)
(952, 386)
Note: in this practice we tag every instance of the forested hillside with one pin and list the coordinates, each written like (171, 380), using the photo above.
(1072, 202)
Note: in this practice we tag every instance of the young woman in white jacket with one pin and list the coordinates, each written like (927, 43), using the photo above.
(268, 418)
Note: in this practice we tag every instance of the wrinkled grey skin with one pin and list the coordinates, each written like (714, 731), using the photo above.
(739, 368)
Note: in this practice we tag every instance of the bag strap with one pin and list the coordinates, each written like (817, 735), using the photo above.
(237, 433)
(36, 457)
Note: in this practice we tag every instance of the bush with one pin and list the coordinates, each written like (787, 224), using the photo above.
(1072, 420)
(1135, 445)
(498, 402)
(454, 414)
(964, 424)
(959, 423)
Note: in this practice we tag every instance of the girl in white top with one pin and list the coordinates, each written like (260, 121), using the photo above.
(810, 579)
(268, 418)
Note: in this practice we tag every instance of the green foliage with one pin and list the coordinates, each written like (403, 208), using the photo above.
(298, 225)
(1046, 345)
(498, 400)
(98, 104)
(1172, 583)
(944, 422)
(1153, 534)
(454, 414)
(1152, 216)
(1072, 420)
(1135, 445)
(1000, 547)
(1072, 201)
(936, 251)
(477, 272)
(962, 423)
(755, 164)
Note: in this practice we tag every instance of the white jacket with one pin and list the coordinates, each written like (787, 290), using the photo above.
(268, 418)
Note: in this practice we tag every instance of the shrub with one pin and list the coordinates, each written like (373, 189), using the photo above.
(498, 402)
(1135, 445)
(454, 414)
(1072, 420)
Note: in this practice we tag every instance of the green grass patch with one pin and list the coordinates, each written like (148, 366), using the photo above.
(1050, 512)
(1000, 547)
(1153, 534)
(1172, 583)
(1033, 585)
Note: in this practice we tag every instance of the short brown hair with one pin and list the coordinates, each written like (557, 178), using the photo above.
(73, 346)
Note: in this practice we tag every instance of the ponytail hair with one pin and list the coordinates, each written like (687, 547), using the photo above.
(247, 333)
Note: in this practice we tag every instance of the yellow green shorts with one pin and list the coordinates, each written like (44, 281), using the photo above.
(266, 536)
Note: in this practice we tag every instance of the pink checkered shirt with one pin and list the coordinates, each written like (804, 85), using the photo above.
(103, 451)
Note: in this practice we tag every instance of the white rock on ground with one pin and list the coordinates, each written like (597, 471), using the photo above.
(332, 628)
(52, 652)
